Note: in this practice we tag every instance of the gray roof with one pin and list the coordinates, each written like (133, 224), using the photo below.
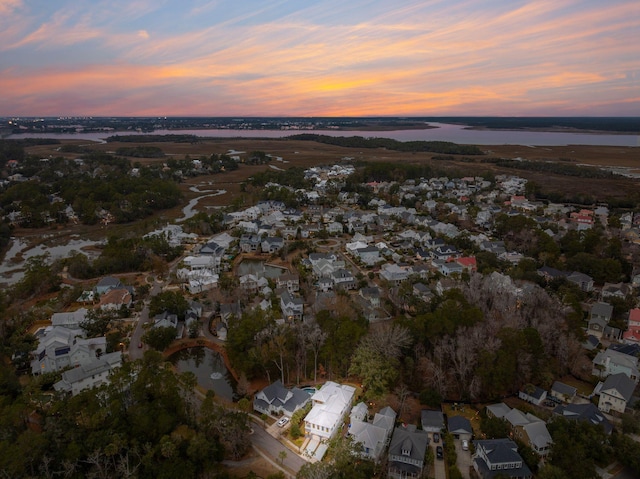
(602, 309)
(584, 412)
(460, 424)
(499, 410)
(621, 383)
(500, 451)
(538, 434)
(409, 439)
(432, 419)
(562, 388)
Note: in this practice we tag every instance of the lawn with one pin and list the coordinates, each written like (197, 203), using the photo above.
(465, 410)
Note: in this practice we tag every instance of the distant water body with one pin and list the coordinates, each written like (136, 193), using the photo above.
(443, 132)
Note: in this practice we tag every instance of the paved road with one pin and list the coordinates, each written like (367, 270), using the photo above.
(136, 337)
(271, 447)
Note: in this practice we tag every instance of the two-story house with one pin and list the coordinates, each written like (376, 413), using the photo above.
(407, 452)
(272, 244)
(292, 306)
(615, 393)
(632, 334)
(250, 243)
(611, 361)
(599, 318)
(343, 279)
(89, 375)
(499, 457)
(331, 403)
(288, 281)
(373, 437)
(275, 399)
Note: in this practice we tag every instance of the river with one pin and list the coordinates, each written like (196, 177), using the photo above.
(443, 132)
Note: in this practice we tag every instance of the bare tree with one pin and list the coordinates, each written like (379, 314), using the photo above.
(388, 339)
(315, 339)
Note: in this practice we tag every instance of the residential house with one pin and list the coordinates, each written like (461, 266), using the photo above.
(197, 263)
(335, 228)
(168, 320)
(230, 310)
(422, 291)
(89, 375)
(288, 281)
(70, 320)
(599, 318)
(62, 347)
(616, 393)
(324, 285)
(115, 299)
(343, 279)
(277, 400)
(372, 438)
(108, 283)
(330, 405)
(460, 427)
(292, 306)
(369, 255)
(359, 412)
(272, 244)
(615, 290)
(393, 273)
(583, 281)
(448, 268)
(445, 253)
(533, 394)
(611, 361)
(530, 430)
(563, 392)
(371, 295)
(432, 421)
(250, 243)
(549, 273)
(468, 263)
(249, 283)
(499, 457)
(584, 412)
(632, 334)
(407, 452)
(499, 410)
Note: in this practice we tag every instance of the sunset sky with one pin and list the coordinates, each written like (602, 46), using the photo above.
(319, 57)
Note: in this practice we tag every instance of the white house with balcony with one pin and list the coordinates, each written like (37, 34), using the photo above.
(331, 403)
(89, 375)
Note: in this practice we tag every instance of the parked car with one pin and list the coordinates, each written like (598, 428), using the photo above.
(439, 452)
(140, 344)
(465, 445)
(283, 421)
(436, 437)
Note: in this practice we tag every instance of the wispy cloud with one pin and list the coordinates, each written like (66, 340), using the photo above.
(321, 57)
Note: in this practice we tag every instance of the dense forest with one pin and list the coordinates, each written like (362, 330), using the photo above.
(93, 185)
(146, 423)
(443, 147)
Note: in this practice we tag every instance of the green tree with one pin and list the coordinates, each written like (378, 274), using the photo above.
(160, 338)
(172, 301)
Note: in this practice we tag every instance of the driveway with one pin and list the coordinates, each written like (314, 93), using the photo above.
(464, 459)
(439, 471)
